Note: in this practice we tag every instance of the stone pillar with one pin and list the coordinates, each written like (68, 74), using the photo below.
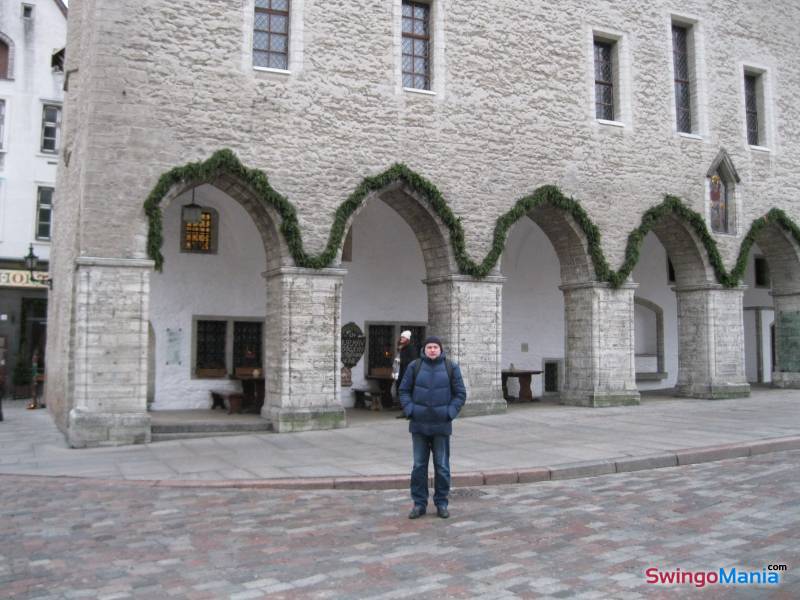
(302, 342)
(787, 340)
(711, 342)
(109, 353)
(466, 313)
(599, 365)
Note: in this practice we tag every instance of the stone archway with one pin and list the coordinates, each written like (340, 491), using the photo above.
(783, 257)
(710, 319)
(598, 319)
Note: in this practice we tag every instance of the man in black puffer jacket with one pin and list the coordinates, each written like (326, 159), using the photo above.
(432, 393)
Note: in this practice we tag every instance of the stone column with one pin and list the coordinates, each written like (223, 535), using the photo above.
(109, 353)
(302, 341)
(599, 365)
(787, 339)
(711, 342)
(466, 313)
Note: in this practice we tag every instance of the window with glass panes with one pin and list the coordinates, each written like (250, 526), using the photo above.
(416, 45)
(751, 108)
(44, 212)
(51, 124)
(271, 34)
(683, 94)
(211, 344)
(604, 80)
(247, 344)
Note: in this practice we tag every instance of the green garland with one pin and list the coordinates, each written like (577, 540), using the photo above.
(225, 162)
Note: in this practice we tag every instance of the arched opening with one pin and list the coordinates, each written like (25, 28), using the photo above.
(6, 57)
(772, 309)
(649, 341)
(209, 308)
(395, 246)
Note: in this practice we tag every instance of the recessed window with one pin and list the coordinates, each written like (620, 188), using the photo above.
(44, 213)
(754, 108)
(5, 55)
(27, 11)
(271, 34)
(684, 79)
(227, 345)
(51, 128)
(416, 45)
(382, 345)
(605, 80)
(761, 270)
(200, 237)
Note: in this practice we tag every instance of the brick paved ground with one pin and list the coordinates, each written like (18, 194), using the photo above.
(584, 538)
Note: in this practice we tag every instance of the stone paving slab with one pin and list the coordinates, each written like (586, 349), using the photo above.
(65, 538)
(532, 442)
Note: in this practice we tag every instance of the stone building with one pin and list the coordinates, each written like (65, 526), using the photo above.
(578, 188)
(32, 38)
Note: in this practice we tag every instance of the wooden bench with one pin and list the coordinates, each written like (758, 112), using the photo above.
(364, 394)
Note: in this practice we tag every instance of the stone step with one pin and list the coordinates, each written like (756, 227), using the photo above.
(165, 437)
(210, 427)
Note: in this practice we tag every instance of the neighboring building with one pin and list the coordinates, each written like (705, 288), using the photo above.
(32, 38)
(405, 143)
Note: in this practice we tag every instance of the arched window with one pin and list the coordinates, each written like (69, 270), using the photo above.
(722, 180)
(5, 59)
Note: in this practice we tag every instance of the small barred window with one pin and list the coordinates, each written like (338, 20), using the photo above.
(604, 80)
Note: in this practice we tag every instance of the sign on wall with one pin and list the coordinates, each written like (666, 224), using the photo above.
(174, 341)
(19, 279)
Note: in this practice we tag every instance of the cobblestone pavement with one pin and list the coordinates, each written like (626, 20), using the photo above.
(583, 538)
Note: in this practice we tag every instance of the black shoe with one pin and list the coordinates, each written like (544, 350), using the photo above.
(416, 512)
(442, 512)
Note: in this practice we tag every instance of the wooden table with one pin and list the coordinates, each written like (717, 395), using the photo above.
(252, 392)
(524, 378)
(385, 383)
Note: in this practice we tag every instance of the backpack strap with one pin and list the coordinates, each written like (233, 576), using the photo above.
(448, 365)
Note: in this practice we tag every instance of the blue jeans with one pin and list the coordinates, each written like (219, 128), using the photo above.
(423, 446)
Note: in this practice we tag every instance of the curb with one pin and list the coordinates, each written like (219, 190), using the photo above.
(575, 470)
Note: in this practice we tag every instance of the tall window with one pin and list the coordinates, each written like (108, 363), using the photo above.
(416, 45)
(720, 205)
(210, 357)
(751, 86)
(44, 212)
(604, 79)
(216, 354)
(271, 34)
(4, 56)
(2, 123)
(51, 127)
(200, 236)
(683, 91)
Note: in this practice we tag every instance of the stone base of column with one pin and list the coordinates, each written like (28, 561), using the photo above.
(786, 380)
(88, 429)
(597, 399)
(719, 391)
(479, 408)
(288, 419)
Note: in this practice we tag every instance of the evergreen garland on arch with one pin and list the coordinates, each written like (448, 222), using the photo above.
(225, 161)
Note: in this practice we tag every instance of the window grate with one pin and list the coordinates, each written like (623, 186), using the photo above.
(197, 235)
(381, 347)
(551, 376)
(211, 344)
(247, 344)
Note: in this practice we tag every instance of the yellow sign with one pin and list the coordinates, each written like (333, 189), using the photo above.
(21, 279)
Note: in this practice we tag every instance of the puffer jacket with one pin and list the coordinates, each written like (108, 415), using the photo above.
(432, 403)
